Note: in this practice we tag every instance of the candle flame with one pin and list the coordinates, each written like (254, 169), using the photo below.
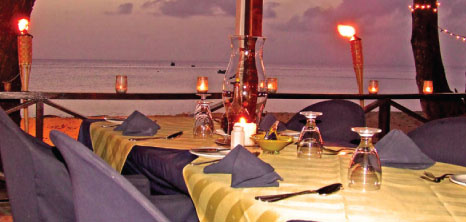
(242, 120)
(347, 31)
(23, 25)
(202, 87)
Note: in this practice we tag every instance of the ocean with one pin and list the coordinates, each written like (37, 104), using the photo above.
(161, 77)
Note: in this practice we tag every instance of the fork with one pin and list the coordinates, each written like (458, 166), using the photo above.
(430, 177)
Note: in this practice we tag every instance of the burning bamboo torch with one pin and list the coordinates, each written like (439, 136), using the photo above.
(25, 61)
(356, 52)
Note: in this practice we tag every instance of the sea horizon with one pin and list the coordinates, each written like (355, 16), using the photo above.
(89, 75)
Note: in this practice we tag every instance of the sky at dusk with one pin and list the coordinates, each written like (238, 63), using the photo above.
(297, 31)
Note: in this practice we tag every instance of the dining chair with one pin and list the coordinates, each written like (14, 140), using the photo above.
(38, 184)
(102, 194)
(335, 123)
(443, 140)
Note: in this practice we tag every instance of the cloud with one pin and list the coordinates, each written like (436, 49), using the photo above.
(123, 9)
(187, 8)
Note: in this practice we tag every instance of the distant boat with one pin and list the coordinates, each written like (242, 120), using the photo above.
(221, 71)
(193, 65)
(172, 64)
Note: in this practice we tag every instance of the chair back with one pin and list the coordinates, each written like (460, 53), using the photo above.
(443, 140)
(101, 193)
(38, 184)
(335, 123)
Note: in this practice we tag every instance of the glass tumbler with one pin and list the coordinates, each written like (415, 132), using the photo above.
(121, 84)
(203, 123)
(310, 143)
(365, 171)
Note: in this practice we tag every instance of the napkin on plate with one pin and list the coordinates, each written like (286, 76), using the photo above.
(246, 169)
(267, 121)
(137, 124)
(397, 150)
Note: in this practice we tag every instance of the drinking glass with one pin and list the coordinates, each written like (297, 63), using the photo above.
(365, 172)
(121, 84)
(203, 123)
(310, 141)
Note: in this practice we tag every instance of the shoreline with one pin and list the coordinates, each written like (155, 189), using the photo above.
(70, 125)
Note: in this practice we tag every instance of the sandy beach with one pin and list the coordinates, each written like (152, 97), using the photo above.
(70, 126)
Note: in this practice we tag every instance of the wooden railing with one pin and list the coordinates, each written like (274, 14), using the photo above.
(383, 101)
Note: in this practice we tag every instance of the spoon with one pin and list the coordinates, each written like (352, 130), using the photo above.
(329, 189)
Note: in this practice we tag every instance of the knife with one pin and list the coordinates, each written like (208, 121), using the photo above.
(327, 190)
(171, 136)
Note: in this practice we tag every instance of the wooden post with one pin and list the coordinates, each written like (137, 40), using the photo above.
(384, 116)
(40, 120)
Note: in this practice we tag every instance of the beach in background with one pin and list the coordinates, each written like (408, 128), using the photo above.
(161, 77)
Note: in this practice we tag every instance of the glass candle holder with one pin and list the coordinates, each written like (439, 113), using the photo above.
(373, 87)
(7, 86)
(202, 84)
(272, 85)
(428, 87)
(121, 84)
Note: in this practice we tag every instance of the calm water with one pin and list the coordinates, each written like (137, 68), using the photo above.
(155, 77)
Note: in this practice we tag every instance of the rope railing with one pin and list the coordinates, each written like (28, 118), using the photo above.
(382, 101)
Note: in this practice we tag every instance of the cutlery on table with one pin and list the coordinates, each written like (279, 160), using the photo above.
(209, 150)
(171, 136)
(328, 151)
(108, 126)
(430, 177)
(329, 189)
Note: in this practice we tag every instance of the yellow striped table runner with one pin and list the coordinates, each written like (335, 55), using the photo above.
(403, 196)
(114, 148)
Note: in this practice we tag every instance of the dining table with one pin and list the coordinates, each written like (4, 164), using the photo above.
(403, 195)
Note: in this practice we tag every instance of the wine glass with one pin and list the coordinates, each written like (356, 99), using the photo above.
(203, 123)
(310, 141)
(365, 172)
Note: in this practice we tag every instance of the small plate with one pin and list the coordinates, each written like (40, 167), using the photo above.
(209, 153)
(290, 133)
(114, 120)
(459, 179)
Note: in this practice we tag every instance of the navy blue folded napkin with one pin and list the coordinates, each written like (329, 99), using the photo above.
(267, 121)
(137, 124)
(397, 150)
(246, 169)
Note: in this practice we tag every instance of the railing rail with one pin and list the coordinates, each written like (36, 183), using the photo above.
(383, 102)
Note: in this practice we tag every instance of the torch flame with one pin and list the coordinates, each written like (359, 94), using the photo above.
(23, 25)
(346, 31)
(242, 120)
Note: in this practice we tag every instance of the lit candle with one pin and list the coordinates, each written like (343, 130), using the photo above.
(428, 87)
(373, 87)
(121, 84)
(7, 86)
(249, 130)
(262, 86)
(272, 85)
(202, 84)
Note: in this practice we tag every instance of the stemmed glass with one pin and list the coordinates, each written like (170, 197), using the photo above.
(203, 123)
(365, 172)
(310, 141)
